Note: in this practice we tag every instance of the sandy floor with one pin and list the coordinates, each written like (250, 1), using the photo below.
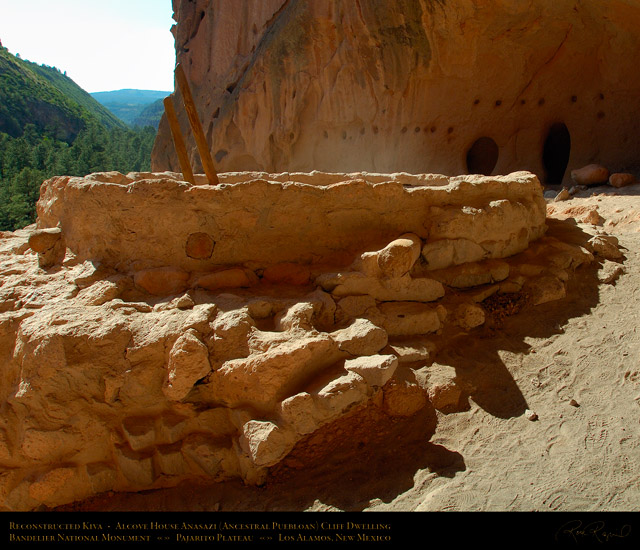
(580, 455)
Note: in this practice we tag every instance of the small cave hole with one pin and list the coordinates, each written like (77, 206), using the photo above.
(482, 156)
(555, 153)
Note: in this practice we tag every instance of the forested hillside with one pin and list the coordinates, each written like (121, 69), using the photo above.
(150, 115)
(48, 99)
(27, 161)
(50, 126)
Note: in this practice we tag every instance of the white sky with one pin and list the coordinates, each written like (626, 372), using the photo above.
(103, 45)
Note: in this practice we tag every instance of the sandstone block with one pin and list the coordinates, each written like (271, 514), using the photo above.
(474, 274)
(262, 379)
(228, 278)
(42, 240)
(399, 256)
(287, 274)
(469, 316)
(621, 180)
(262, 308)
(376, 370)
(355, 306)
(409, 318)
(298, 316)
(481, 294)
(231, 335)
(414, 350)
(188, 363)
(324, 307)
(185, 301)
(361, 338)
(445, 253)
(299, 412)
(265, 442)
(610, 272)
(605, 246)
(566, 255)
(592, 217)
(162, 281)
(440, 383)
(546, 289)
(403, 288)
(49, 245)
(341, 394)
(402, 398)
(592, 174)
(101, 292)
(512, 285)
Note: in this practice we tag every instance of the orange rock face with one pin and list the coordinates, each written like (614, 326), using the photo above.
(440, 87)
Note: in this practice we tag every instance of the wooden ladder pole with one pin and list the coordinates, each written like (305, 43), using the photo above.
(196, 126)
(178, 141)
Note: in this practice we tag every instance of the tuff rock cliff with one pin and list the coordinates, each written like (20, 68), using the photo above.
(421, 86)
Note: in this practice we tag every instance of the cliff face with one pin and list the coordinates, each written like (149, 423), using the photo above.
(410, 85)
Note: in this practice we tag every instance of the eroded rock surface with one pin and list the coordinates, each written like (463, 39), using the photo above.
(416, 85)
(125, 373)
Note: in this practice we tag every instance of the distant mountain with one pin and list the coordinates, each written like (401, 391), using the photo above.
(48, 99)
(151, 115)
(129, 105)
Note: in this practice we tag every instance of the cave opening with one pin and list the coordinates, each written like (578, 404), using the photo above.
(555, 153)
(482, 156)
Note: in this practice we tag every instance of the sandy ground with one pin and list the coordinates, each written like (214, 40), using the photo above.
(575, 363)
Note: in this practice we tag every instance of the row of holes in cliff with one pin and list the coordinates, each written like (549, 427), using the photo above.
(482, 156)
